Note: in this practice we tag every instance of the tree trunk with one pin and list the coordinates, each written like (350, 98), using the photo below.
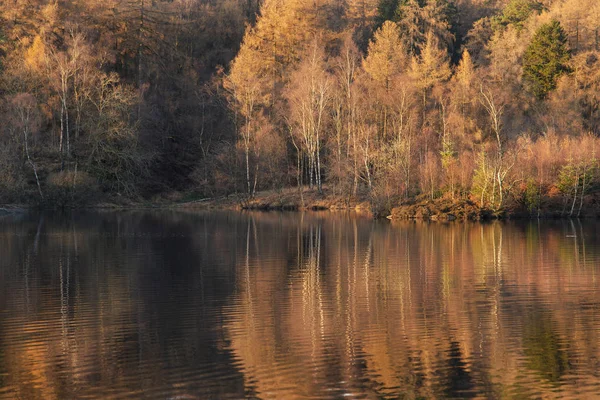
(319, 185)
(575, 195)
(247, 150)
(582, 194)
(37, 178)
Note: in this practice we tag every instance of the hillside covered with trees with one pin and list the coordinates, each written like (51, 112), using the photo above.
(496, 101)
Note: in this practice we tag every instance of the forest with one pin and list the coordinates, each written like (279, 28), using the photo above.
(494, 101)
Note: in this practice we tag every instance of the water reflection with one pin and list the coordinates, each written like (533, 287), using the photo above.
(269, 305)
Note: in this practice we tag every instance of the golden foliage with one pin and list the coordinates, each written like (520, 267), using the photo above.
(386, 56)
(465, 72)
(35, 55)
(432, 65)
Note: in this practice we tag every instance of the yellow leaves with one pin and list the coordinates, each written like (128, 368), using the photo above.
(581, 19)
(35, 55)
(283, 31)
(465, 71)
(586, 68)
(50, 13)
(246, 81)
(361, 12)
(432, 65)
(386, 56)
(269, 49)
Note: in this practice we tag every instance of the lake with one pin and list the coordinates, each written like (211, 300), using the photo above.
(176, 305)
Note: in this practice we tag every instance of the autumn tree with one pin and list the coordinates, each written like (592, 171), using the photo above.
(456, 122)
(464, 88)
(431, 66)
(26, 122)
(581, 20)
(477, 38)
(309, 98)
(493, 170)
(113, 153)
(269, 51)
(464, 77)
(586, 73)
(386, 55)
(68, 69)
(281, 33)
(384, 139)
(249, 89)
(345, 110)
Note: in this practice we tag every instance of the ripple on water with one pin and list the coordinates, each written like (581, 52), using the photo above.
(284, 306)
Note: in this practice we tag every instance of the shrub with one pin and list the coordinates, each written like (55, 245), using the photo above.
(532, 196)
(69, 189)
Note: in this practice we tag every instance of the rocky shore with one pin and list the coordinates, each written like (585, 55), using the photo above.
(463, 210)
(443, 210)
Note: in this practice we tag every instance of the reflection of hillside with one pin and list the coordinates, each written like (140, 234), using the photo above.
(94, 306)
(331, 306)
(296, 305)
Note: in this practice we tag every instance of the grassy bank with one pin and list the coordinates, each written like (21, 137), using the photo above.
(289, 199)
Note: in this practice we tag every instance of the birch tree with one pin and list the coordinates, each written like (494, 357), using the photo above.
(309, 96)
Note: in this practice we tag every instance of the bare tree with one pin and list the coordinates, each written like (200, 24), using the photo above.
(309, 96)
(26, 121)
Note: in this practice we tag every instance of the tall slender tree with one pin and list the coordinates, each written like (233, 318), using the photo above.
(386, 56)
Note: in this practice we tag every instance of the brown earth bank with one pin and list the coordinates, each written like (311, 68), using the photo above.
(421, 207)
(441, 209)
(290, 199)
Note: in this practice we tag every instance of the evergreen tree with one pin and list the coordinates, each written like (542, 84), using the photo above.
(416, 18)
(517, 12)
(386, 10)
(546, 58)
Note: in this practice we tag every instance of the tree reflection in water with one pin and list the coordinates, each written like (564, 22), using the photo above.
(294, 305)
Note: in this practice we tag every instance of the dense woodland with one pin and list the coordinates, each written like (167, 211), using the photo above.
(497, 101)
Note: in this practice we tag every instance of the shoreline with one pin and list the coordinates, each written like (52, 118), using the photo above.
(421, 209)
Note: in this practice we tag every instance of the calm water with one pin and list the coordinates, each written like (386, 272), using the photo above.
(172, 305)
